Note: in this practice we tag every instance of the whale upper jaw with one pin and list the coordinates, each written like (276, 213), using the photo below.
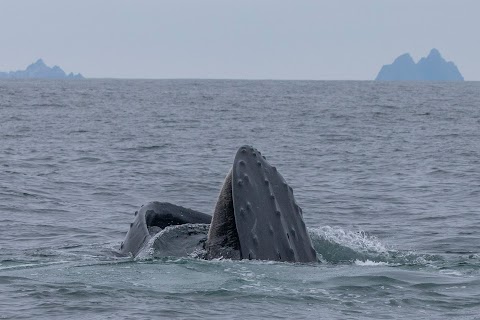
(256, 217)
(153, 217)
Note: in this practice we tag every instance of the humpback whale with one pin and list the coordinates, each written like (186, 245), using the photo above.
(255, 217)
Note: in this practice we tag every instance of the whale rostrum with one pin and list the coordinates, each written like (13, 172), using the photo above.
(256, 217)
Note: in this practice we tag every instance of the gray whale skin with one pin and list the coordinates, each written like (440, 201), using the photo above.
(256, 217)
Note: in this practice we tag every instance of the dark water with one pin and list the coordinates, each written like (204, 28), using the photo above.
(387, 174)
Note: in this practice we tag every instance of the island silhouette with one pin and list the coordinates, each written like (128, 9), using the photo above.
(39, 70)
(431, 68)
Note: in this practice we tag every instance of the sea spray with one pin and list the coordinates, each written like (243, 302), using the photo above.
(337, 245)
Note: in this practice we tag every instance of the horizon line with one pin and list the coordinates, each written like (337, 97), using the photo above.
(244, 79)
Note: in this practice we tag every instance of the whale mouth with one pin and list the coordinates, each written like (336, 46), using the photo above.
(157, 220)
(154, 217)
(255, 217)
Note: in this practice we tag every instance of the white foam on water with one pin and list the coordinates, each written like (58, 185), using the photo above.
(451, 272)
(359, 241)
(369, 263)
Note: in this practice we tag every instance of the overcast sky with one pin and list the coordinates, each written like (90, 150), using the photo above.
(236, 39)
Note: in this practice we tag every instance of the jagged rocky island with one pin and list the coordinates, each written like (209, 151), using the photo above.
(432, 68)
(39, 70)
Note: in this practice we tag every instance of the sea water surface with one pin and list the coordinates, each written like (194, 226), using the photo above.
(387, 175)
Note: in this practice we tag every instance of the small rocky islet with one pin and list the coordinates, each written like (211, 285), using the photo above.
(431, 68)
(39, 70)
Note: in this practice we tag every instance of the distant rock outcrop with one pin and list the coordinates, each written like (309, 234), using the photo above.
(431, 68)
(39, 70)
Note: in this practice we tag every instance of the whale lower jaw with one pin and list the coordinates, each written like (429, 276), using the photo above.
(255, 217)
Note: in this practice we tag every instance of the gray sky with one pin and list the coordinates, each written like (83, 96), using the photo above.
(246, 39)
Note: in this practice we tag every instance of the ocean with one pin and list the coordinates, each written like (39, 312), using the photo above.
(387, 175)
